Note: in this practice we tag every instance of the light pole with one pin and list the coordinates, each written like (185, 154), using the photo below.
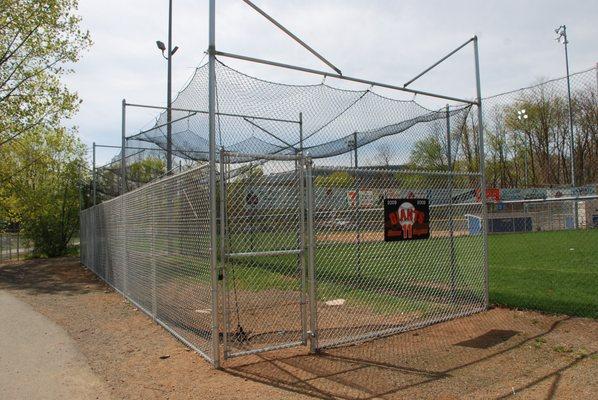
(561, 31)
(522, 116)
(168, 58)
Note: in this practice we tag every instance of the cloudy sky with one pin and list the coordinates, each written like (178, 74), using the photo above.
(382, 40)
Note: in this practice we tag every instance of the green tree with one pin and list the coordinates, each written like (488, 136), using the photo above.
(339, 179)
(40, 161)
(145, 170)
(38, 39)
(45, 199)
(428, 153)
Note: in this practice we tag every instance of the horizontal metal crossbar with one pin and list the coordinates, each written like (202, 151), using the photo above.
(265, 253)
(274, 157)
(438, 62)
(217, 113)
(553, 199)
(343, 77)
(268, 348)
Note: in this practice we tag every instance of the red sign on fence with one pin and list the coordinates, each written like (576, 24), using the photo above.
(492, 195)
(406, 219)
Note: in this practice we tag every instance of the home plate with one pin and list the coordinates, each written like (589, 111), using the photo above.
(336, 302)
(206, 311)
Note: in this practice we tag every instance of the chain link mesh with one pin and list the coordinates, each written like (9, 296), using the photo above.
(153, 246)
(264, 264)
(367, 287)
(276, 210)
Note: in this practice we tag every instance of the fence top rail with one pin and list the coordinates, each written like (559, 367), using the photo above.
(257, 156)
(395, 171)
(552, 199)
(152, 183)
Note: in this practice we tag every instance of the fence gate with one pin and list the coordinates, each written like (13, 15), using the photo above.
(263, 268)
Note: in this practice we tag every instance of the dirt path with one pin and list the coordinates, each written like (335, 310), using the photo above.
(496, 354)
(39, 360)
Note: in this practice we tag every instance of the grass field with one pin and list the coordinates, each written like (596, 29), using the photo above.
(554, 272)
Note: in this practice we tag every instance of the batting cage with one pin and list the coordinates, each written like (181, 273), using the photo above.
(299, 215)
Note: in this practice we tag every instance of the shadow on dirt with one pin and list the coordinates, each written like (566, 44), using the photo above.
(405, 366)
(39, 276)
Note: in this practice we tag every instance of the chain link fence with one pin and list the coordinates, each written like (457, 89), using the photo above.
(302, 253)
(13, 246)
(153, 246)
(368, 287)
(305, 253)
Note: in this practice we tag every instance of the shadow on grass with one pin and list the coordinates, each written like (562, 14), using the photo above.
(46, 276)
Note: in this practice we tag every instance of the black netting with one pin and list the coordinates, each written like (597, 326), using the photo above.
(261, 117)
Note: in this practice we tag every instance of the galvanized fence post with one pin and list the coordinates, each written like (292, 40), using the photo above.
(224, 304)
(300, 165)
(313, 306)
(453, 260)
(153, 256)
(482, 169)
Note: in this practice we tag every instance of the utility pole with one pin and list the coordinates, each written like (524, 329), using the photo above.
(561, 31)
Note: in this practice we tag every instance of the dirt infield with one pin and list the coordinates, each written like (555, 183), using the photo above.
(495, 354)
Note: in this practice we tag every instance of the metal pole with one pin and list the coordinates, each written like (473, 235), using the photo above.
(169, 95)
(93, 172)
(437, 62)
(525, 163)
(342, 77)
(300, 164)
(223, 254)
(189, 110)
(213, 202)
(294, 37)
(311, 274)
(123, 167)
(482, 168)
(449, 154)
(301, 132)
(357, 208)
(571, 138)
(153, 255)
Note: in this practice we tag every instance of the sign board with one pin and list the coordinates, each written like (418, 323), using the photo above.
(406, 219)
(492, 195)
(366, 198)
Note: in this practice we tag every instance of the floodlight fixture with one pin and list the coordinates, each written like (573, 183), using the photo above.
(522, 115)
(160, 45)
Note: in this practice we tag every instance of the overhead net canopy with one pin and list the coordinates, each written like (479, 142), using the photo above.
(261, 117)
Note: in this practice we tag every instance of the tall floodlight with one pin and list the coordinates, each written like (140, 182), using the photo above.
(561, 31)
(169, 53)
(522, 116)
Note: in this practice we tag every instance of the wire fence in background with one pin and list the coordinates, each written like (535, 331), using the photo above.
(14, 246)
